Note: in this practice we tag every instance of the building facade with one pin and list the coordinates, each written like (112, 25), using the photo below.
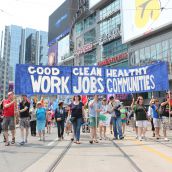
(17, 48)
(95, 38)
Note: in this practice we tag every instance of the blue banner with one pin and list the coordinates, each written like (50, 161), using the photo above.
(69, 80)
(31, 79)
(138, 79)
(88, 80)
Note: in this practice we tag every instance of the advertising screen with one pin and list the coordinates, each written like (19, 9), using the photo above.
(141, 17)
(60, 21)
(64, 48)
(52, 55)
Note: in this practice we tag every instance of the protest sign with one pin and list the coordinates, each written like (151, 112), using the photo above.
(87, 80)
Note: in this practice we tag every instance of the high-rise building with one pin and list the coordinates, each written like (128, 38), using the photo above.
(94, 37)
(22, 46)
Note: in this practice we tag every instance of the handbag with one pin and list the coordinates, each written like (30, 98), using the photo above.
(72, 119)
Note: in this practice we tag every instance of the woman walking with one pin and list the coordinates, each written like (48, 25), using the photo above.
(123, 111)
(141, 117)
(60, 119)
(102, 124)
(77, 115)
(41, 120)
(33, 120)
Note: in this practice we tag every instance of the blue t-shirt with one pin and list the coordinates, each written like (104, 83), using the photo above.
(41, 114)
(154, 112)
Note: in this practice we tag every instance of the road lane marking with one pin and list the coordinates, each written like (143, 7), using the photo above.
(51, 143)
(152, 150)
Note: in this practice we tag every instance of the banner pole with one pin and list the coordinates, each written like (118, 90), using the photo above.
(169, 107)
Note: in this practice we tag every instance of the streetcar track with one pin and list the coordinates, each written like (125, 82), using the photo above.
(134, 165)
(59, 158)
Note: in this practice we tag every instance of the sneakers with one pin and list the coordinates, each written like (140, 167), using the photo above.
(25, 140)
(166, 139)
(136, 137)
(21, 143)
(140, 139)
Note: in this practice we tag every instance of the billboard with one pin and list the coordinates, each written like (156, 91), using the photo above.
(53, 55)
(60, 21)
(64, 48)
(141, 17)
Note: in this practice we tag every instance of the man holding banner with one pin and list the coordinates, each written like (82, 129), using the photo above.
(166, 112)
(113, 109)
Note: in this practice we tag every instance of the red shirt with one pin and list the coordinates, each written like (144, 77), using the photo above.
(8, 111)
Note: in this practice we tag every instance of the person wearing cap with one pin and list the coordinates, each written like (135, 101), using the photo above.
(60, 114)
(24, 119)
(41, 120)
(9, 117)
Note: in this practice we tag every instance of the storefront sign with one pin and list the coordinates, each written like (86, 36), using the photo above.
(86, 48)
(115, 59)
(114, 34)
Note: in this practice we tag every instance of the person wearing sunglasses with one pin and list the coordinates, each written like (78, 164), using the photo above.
(141, 116)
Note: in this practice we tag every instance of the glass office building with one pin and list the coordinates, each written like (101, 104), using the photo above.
(109, 24)
(100, 30)
(14, 51)
(15, 43)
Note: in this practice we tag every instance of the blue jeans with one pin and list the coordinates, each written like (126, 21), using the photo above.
(117, 127)
(76, 127)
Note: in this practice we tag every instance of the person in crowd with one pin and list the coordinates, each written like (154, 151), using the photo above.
(94, 111)
(141, 117)
(49, 120)
(68, 126)
(114, 110)
(123, 112)
(24, 119)
(132, 117)
(166, 111)
(60, 114)
(77, 115)
(150, 115)
(1, 115)
(33, 120)
(102, 125)
(154, 104)
(9, 117)
(41, 120)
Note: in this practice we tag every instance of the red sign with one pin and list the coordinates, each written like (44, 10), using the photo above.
(115, 59)
(86, 48)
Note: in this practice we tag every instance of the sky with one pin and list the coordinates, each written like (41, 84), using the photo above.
(27, 13)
